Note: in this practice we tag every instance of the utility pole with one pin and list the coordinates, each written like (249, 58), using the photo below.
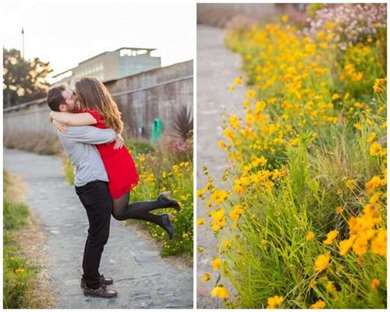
(22, 42)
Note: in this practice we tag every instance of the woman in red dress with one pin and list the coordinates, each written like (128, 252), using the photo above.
(97, 108)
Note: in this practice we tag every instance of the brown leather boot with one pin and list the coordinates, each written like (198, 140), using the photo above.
(101, 292)
(103, 280)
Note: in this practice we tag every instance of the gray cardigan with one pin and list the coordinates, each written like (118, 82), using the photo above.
(78, 143)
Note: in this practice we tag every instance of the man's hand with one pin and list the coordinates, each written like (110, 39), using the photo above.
(119, 142)
(60, 127)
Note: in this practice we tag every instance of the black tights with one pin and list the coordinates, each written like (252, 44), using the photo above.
(122, 210)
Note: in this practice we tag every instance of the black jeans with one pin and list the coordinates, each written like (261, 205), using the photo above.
(97, 201)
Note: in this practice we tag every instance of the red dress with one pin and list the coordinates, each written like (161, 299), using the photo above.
(120, 166)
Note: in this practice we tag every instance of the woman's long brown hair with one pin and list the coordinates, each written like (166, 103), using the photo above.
(92, 94)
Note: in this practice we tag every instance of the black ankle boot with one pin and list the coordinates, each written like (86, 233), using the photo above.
(167, 225)
(167, 202)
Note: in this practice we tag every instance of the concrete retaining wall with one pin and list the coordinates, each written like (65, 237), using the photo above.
(141, 98)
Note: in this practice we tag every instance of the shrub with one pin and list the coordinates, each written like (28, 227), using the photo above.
(36, 142)
(350, 23)
(139, 146)
(183, 124)
(358, 69)
(158, 175)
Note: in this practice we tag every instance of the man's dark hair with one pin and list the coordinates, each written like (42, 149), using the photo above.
(55, 98)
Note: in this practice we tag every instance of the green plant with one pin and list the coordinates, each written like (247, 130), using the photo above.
(68, 170)
(312, 8)
(18, 274)
(158, 175)
(359, 67)
(139, 146)
(183, 123)
(301, 220)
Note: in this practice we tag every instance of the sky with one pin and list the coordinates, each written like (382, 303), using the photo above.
(66, 32)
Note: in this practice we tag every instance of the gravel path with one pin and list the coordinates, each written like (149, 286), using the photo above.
(216, 69)
(141, 277)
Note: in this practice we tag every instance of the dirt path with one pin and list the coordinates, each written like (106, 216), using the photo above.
(142, 278)
(216, 69)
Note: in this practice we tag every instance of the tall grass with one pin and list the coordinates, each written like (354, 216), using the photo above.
(271, 254)
(302, 221)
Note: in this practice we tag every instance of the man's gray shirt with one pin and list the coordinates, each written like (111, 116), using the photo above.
(78, 143)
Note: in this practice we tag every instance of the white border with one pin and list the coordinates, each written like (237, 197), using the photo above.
(194, 33)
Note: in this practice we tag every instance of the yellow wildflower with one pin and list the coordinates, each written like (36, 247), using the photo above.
(216, 264)
(375, 283)
(379, 243)
(294, 142)
(373, 184)
(370, 210)
(220, 292)
(200, 221)
(375, 197)
(345, 246)
(226, 244)
(310, 235)
(236, 213)
(19, 270)
(318, 305)
(228, 133)
(376, 149)
(221, 144)
(234, 121)
(259, 161)
(251, 93)
(250, 119)
(274, 302)
(259, 107)
(237, 80)
(218, 196)
(335, 97)
(331, 236)
(330, 287)
(358, 126)
(360, 246)
(321, 262)
(371, 137)
(218, 219)
(245, 104)
(329, 25)
(379, 85)
(238, 186)
(312, 284)
(206, 277)
(350, 183)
